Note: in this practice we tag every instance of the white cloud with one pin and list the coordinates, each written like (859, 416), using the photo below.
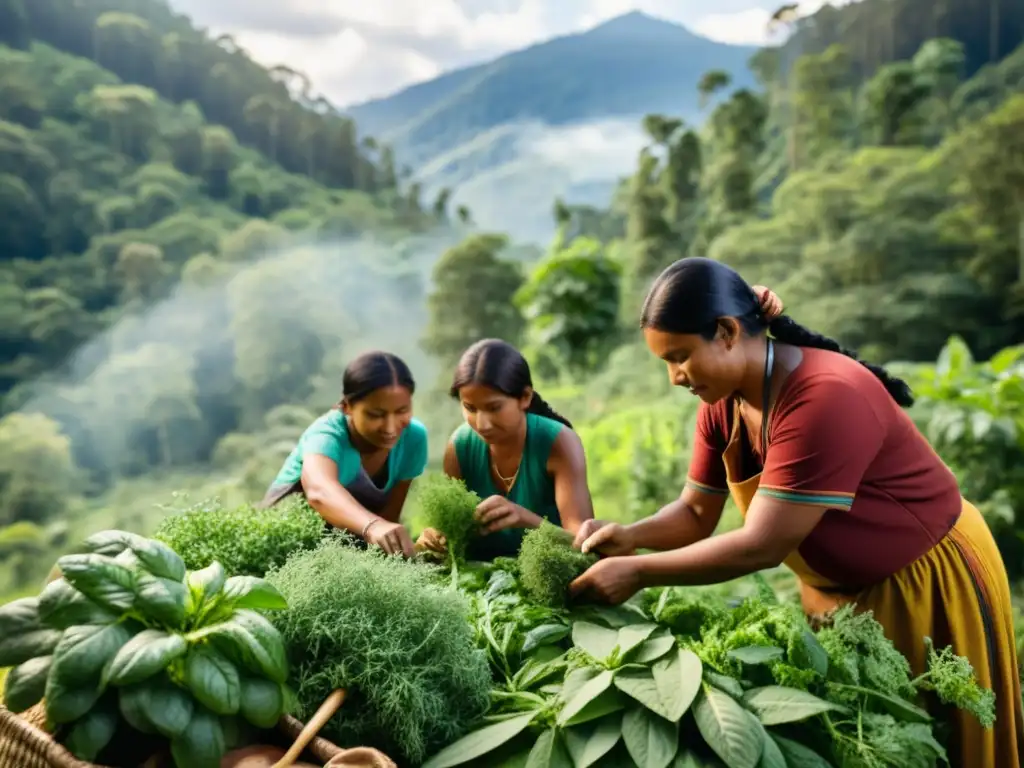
(354, 50)
(749, 27)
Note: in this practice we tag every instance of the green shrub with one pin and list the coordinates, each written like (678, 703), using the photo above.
(245, 540)
(548, 563)
(384, 630)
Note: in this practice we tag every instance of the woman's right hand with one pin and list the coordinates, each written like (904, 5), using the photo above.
(605, 538)
(393, 538)
(432, 540)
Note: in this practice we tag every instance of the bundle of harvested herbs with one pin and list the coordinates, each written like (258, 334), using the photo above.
(246, 540)
(548, 563)
(128, 639)
(398, 641)
(677, 678)
(448, 506)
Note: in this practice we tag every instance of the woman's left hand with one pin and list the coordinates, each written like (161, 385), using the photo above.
(613, 580)
(496, 513)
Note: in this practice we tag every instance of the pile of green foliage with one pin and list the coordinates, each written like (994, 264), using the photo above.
(399, 642)
(674, 678)
(548, 563)
(129, 637)
(448, 506)
(246, 540)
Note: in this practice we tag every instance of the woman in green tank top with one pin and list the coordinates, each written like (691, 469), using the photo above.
(514, 451)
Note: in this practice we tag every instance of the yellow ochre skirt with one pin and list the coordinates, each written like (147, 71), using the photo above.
(958, 594)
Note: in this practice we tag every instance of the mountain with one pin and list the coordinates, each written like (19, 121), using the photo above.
(511, 134)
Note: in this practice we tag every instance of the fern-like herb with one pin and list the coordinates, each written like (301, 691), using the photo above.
(548, 563)
(245, 540)
(448, 507)
(383, 629)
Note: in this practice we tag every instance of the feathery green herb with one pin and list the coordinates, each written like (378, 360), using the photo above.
(548, 563)
(448, 506)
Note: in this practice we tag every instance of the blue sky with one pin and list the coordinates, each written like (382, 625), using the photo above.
(354, 50)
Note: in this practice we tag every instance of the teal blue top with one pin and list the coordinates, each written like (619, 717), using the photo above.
(534, 488)
(328, 436)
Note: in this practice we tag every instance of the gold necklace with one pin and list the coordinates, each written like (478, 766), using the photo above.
(509, 482)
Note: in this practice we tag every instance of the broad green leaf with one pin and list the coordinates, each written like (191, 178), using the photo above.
(669, 687)
(252, 642)
(206, 583)
(549, 751)
(262, 701)
(653, 649)
(111, 543)
(777, 704)
(727, 729)
(201, 744)
(254, 593)
(687, 759)
(161, 600)
(65, 703)
(62, 606)
(633, 635)
(91, 733)
(771, 755)
(586, 694)
(480, 742)
(17, 649)
(160, 560)
(544, 635)
(146, 654)
(85, 650)
(101, 579)
(534, 672)
(25, 685)
(132, 701)
(725, 683)
(652, 741)
(165, 706)
(591, 741)
(596, 640)
(213, 680)
(18, 617)
(576, 680)
(757, 654)
(799, 756)
(607, 703)
(809, 653)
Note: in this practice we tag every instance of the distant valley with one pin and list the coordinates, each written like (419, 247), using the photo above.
(561, 118)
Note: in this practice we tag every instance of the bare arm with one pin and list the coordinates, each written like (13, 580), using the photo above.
(451, 462)
(690, 518)
(773, 529)
(568, 464)
(328, 497)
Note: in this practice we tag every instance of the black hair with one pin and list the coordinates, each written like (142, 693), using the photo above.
(692, 294)
(372, 371)
(498, 365)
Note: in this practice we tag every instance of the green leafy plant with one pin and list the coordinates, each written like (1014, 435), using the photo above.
(448, 506)
(246, 540)
(129, 635)
(548, 563)
(385, 630)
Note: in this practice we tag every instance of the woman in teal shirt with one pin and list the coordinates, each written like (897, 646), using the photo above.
(514, 451)
(356, 462)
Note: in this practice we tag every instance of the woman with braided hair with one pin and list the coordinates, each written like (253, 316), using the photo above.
(833, 479)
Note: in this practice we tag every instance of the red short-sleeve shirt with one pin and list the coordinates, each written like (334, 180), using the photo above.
(837, 439)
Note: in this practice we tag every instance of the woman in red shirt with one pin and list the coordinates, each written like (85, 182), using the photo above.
(833, 479)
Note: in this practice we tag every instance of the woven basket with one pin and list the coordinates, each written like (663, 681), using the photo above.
(24, 742)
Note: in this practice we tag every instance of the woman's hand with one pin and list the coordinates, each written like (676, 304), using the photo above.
(605, 538)
(613, 581)
(432, 540)
(391, 537)
(496, 513)
(771, 304)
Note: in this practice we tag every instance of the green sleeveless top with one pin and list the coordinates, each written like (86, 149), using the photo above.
(534, 488)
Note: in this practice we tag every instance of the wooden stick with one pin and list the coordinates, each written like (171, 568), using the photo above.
(316, 722)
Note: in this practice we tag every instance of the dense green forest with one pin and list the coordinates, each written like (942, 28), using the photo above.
(193, 245)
